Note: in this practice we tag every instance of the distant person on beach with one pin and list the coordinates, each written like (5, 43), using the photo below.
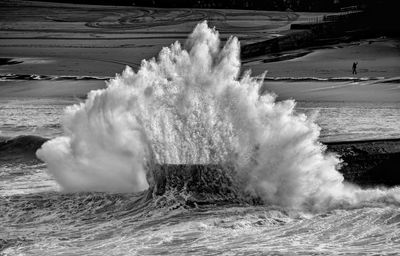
(355, 68)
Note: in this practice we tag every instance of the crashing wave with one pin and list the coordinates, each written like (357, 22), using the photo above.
(189, 107)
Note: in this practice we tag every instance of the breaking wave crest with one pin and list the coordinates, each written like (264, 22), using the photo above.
(190, 107)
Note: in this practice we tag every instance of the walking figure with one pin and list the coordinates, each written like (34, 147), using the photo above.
(355, 68)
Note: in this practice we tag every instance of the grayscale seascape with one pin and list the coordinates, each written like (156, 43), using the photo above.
(131, 130)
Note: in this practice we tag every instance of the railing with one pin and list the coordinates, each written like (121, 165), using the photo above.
(343, 15)
(349, 8)
(316, 19)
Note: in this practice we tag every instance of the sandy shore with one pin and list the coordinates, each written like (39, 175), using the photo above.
(345, 91)
(66, 39)
(319, 75)
(101, 40)
(81, 40)
(376, 58)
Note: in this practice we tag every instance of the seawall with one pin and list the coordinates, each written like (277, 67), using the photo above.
(329, 29)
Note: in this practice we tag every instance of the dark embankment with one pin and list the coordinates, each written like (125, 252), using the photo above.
(369, 163)
(366, 163)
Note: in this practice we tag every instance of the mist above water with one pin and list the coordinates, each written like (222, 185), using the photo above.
(189, 106)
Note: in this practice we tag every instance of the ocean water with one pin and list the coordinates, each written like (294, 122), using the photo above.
(88, 193)
(37, 218)
(104, 224)
(339, 121)
(343, 121)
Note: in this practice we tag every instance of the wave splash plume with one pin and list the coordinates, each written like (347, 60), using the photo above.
(189, 107)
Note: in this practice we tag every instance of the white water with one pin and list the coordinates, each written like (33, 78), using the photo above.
(188, 106)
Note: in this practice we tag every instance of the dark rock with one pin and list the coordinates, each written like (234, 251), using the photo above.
(20, 148)
(196, 184)
(369, 163)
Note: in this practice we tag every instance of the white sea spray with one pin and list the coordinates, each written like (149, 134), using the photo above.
(189, 106)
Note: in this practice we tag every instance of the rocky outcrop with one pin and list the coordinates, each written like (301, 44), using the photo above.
(369, 163)
(197, 184)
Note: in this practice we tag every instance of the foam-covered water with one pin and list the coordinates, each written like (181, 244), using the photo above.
(339, 121)
(41, 117)
(103, 224)
(37, 219)
(187, 107)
